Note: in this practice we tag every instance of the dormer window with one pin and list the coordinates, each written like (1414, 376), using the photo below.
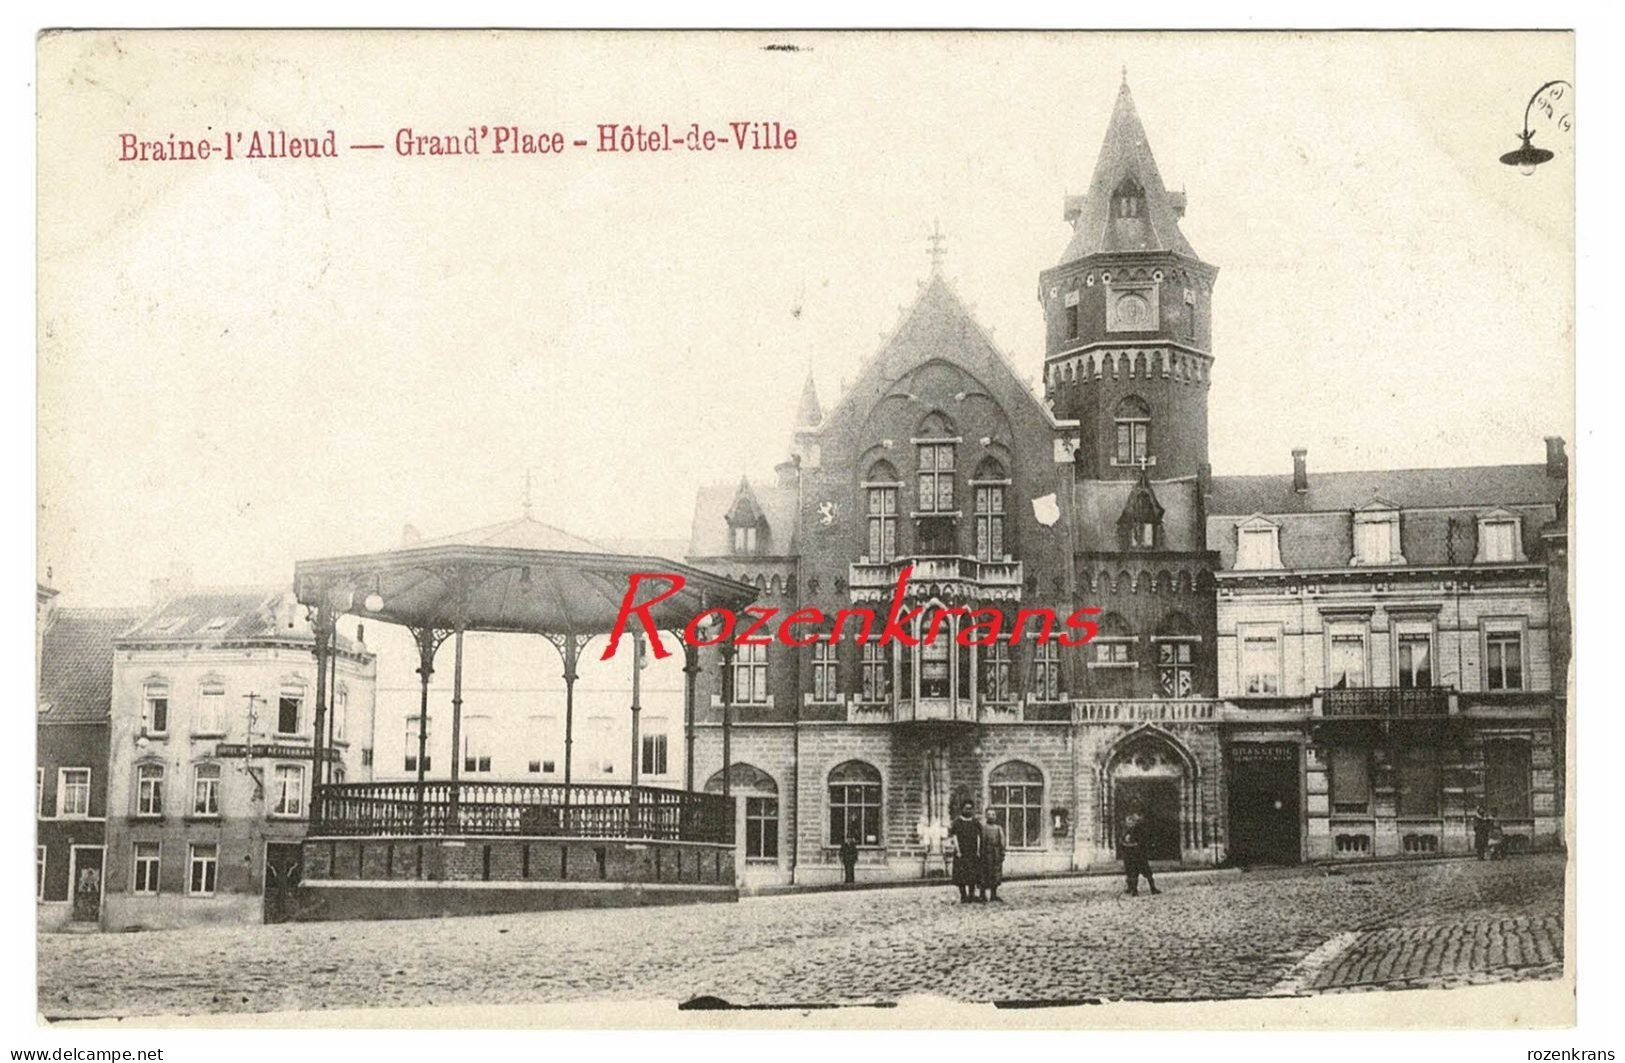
(1258, 544)
(1128, 201)
(1376, 535)
(747, 526)
(1500, 538)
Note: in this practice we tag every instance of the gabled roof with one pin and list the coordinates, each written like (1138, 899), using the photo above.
(1472, 486)
(937, 325)
(713, 503)
(76, 666)
(226, 615)
(746, 510)
(1125, 156)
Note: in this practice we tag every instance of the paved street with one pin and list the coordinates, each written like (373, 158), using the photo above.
(1298, 931)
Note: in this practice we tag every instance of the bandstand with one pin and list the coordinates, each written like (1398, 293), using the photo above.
(429, 847)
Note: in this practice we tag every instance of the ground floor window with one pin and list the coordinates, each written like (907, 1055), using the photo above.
(39, 872)
(205, 860)
(1507, 779)
(145, 879)
(854, 804)
(1420, 781)
(1350, 780)
(1016, 792)
(762, 828)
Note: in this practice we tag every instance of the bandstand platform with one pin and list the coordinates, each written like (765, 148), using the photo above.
(428, 847)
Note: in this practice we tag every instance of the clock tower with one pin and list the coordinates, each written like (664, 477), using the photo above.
(1128, 329)
(1128, 359)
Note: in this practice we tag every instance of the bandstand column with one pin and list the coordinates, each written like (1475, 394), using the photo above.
(727, 717)
(571, 649)
(452, 825)
(322, 627)
(637, 708)
(428, 641)
(691, 671)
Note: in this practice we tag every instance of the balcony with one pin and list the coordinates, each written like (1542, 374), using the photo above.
(934, 711)
(944, 578)
(1384, 703)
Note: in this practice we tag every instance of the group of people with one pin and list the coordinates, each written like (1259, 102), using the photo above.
(1489, 840)
(977, 847)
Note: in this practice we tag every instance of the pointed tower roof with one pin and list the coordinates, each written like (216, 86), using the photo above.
(1125, 163)
(809, 414)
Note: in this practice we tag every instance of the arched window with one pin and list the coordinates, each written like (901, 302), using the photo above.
(854, 804)
(1016, 792)
(341, 713)
(1176, 642)
(880, 488)
(149, 790)
(990, 483)
(1133, 419)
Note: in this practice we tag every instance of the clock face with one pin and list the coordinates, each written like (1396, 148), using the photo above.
(1133, 312)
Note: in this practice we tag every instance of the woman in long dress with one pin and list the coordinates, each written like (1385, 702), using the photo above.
(966, 833)
(993, 845)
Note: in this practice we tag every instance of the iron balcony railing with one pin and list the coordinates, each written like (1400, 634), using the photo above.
(1384, 703)
(404, 809)
(962, 578)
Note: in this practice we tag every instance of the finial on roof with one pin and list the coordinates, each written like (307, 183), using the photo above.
(1125, 74)
(934, 242)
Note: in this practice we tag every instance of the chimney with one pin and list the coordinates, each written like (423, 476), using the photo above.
(788, 472)
(1204, 480)
(1300, 470)
(1557, 460)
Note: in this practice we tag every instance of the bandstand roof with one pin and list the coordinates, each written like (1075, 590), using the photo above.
(522, 576)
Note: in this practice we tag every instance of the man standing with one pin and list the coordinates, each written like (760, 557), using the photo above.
(1135, 864)
(849, 859)
(1481, 832)
(967, 836)
(992, 856)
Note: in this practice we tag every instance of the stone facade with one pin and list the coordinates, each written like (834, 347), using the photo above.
(209, 790)
(1098, 495)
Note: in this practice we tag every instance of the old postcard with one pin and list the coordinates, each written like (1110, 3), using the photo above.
(805, 528)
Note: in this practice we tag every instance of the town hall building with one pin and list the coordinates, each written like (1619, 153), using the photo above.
(940, 459)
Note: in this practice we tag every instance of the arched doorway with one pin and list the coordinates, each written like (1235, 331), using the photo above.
(1150, 774)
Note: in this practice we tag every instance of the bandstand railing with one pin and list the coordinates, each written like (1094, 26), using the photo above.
(404, 809)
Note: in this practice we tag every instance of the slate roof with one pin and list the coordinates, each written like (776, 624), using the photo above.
(1125, 153)
(76, 666)
(1468, 486)
(227, 615)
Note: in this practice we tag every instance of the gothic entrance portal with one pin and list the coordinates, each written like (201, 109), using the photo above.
(1152, 777)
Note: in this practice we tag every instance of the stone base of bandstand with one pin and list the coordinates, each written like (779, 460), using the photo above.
(430, 877)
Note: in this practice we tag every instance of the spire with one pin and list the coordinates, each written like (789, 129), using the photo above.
(809, 414)
(1127, 207)
(934, 247)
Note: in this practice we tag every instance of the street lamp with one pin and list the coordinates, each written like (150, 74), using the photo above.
(1527, 157)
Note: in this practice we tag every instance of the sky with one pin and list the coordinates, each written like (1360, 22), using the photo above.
(243, 364)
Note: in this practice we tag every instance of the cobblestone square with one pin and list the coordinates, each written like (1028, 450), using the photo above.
(1305, 930)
